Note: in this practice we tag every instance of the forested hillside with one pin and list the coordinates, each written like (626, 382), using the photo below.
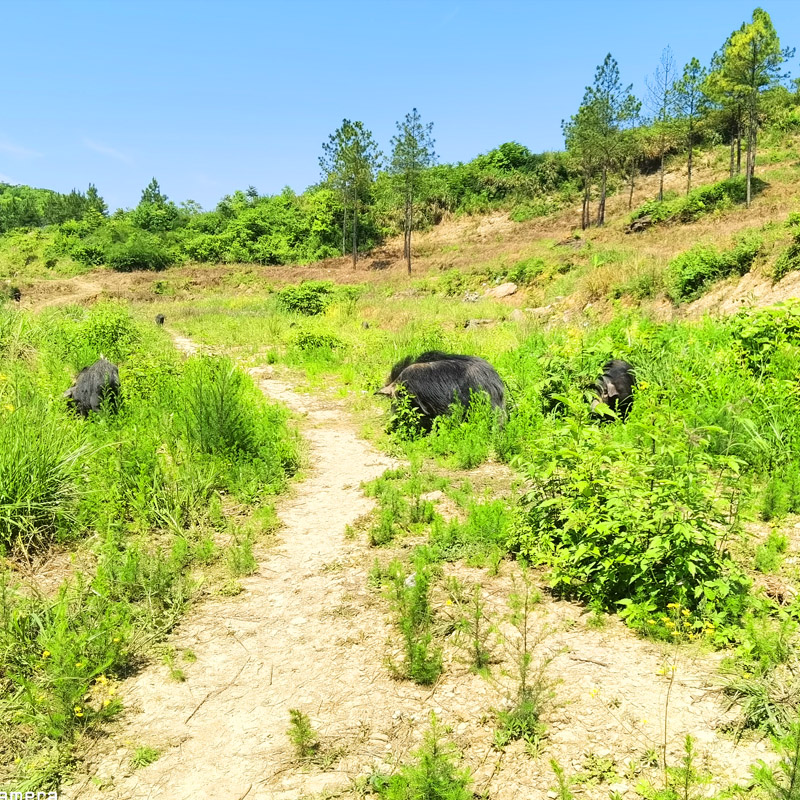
(742, 99)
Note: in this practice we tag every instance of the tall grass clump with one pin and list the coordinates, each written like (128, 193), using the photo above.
(39, 477)
(223, 416)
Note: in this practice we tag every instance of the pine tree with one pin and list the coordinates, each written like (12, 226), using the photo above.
(349, 162)
(152, 194)
(607, 110)
(690, 104)
(412, 153)
(660, 102)
(748, 64)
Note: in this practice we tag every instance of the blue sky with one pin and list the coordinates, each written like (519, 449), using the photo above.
(215, 96)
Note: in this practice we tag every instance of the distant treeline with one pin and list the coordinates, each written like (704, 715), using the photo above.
(364, 196)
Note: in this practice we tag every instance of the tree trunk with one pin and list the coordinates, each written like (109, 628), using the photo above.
(344, 229)
(738, 147)
(355, 231)
(733, 153)
(409, 222)
(633, 175)
(601, 208)
(585, 207)
(750, 153)
(661, 175)
(689, 168)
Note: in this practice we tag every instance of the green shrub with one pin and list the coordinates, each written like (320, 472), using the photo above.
(788, 260)
(309, 340)
(693, 270)
(141, 250)
(698, 202)
(631, 525)
(309, 298)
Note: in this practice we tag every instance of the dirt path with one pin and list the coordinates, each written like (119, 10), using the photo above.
(308, 633)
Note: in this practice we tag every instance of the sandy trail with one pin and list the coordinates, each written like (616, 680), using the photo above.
(308, 633)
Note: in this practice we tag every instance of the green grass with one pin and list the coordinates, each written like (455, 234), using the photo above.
(138, 493)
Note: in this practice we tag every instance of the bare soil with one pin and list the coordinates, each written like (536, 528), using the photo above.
(307, 632)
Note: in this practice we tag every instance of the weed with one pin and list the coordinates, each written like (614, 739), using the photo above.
(432, 775)
(770, 552)
(532, 689)
(241, 560)
(563, 791)
(782, 782)
(143, 756)
(409, 595)
(473, 628)
(302, 735)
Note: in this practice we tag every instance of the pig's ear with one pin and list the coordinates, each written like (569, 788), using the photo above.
(611, 389)
(69, 392)
(387, 390)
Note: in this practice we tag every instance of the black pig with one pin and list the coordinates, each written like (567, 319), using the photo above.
(434, 380)
(93, 386)
(615, 388)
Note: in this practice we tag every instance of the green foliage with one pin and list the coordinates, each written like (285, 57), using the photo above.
(700, 201)
(633, 523)
(39, 477)
(409, 595)
(433, 775)
(692, 271)
(769, 553)
(309, 298)
(788, 260)
(684, 782)
(144, 756)
(302, 735)
(310, 340)
(782, 781)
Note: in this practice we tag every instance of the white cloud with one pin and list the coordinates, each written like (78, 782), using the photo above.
(105, 150)
(15, 150)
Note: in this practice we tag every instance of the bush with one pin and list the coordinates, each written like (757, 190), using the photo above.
(698, 202)
(631, 525)
(308, 340)
(693, 270)
(788, 260)
(140, 251)
(310, 297)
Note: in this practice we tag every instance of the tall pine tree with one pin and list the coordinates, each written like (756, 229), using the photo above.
(412, 153)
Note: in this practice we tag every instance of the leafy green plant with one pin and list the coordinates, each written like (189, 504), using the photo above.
(432, 775)
(409, 596)
(631, 524)
(302, 735)
(144, 756)
(241, 560)
(309, 298)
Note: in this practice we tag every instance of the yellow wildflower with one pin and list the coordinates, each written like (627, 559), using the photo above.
(673, 605)
(593, 691)
(651, 622)
(685, 612)
(669, 623)
(8, 407)
(79, 663)
(46, 654)
(674, 633)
